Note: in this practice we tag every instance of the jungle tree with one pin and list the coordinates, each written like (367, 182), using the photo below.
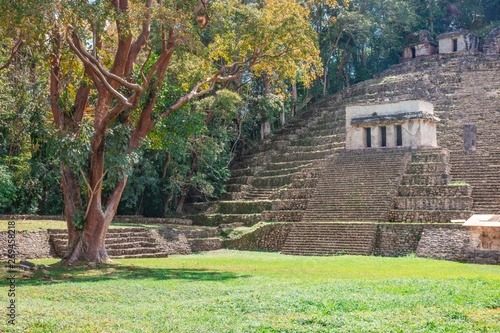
(109, 61)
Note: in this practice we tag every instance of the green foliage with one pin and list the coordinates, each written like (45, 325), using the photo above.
(7, 189)
(25, 136)
(165, 172)
(79, 219)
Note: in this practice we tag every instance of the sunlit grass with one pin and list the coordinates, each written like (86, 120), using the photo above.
(231, 291)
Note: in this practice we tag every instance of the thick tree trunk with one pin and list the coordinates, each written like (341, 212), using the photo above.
(89, 244)
(180, 204)
(265, 129)
(294, 99)
(342, 61)
(283, 119)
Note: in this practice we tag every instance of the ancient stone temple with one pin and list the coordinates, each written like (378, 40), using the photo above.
(457, 41)
(388, 166)
(492, 43)
(409, 124)
(420, 44)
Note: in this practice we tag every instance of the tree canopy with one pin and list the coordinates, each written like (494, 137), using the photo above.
(112, 61)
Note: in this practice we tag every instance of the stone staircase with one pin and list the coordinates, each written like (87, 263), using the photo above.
(426, 194)
(481, 169)
(120, 243)
(275, 181)
(326, 239)
(357, 186)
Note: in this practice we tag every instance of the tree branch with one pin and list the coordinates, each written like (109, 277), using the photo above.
(142, 39)
(13, 53)
(122, 99)
(124, 41)
(55, 73)
(106, 73)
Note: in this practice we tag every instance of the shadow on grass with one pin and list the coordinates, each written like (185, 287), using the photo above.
(106, 272)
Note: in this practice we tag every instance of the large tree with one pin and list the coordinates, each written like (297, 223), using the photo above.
(111, 61)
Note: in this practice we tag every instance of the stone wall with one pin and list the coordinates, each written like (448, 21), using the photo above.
(150, 220)
(465, 40)
(421, 50)
(33, 217)
(492, 43)
(176, 240)
(439, 191)
(269, 237)
(454, 244)
(118, 218)
(205, 244)
(415, 132)
(478, 256)
(397, 239)
(433, 203)
(423, 216)
(444, 243)
(29, 245)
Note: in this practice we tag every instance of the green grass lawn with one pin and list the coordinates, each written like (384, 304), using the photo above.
(231, 291)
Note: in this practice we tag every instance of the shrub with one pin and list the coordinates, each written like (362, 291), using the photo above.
(7, 189)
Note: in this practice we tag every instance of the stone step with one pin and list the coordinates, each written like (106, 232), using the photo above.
(237, 187)
(336, 139)
(216, 219)
(242, 180)
(330, 239)
(294, 204)
(303, 183)
(243, 207)
(290, 165)
(120, 243)
(354, 185)
(287, 194)
(142, 255)
(282, 216)
(430, 156)
(429, 167)
(279, 181)
(425, 179)
(284, 172)
(109, 242)
(306, 156)
(233, 196)
(242, 172)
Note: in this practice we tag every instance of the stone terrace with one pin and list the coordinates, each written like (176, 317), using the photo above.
(331, 238)
(481, 170)
(426, 194)
(358, 186)
(278, 180)
(120, 243)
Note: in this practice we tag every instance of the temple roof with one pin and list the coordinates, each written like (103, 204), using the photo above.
(453, 33)
(396, 117)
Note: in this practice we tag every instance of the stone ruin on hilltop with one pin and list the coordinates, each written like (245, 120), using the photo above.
(389, 166)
